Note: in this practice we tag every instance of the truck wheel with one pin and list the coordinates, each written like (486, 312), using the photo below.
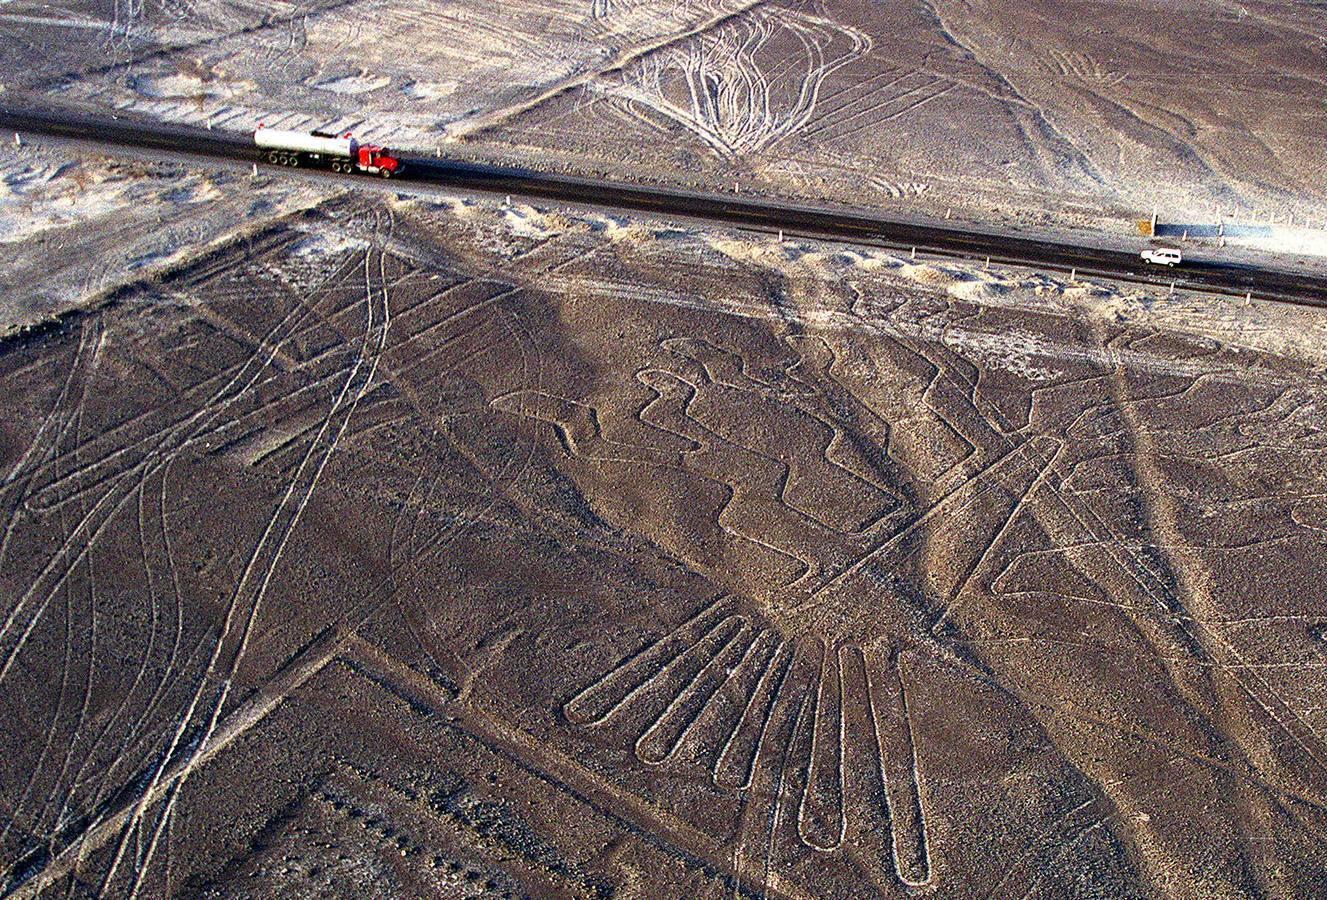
(274, 157)
(386, 173)
(294, 160)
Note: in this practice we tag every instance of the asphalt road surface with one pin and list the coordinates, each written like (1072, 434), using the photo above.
(825, 223)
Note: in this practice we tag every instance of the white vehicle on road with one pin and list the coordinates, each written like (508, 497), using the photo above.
(1163, 256)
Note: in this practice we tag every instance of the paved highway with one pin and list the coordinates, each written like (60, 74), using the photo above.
(855, 226)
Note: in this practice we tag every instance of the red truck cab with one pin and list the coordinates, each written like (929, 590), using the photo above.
(378, 161)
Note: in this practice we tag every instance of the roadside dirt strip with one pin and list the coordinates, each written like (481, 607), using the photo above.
(855, 226)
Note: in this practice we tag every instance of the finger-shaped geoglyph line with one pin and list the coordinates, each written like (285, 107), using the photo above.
(904, 785)
(735, 765)
(820, 816)
(640, 707)
(662, 738)
(595, 703)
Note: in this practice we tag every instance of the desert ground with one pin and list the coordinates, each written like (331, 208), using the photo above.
(1081, 114)
(439, 548)
(364, 542)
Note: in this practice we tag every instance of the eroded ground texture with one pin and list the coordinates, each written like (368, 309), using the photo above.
(413, 549)
(1083, 113)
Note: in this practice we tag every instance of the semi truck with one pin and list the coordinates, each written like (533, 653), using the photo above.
(340, 153)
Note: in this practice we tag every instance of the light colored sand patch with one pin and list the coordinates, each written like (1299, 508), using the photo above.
(429, 90)
(190, 87)
(1023, 355)
(527, 221)
(980, 288)
(326, 243)
(35, 199)
(1301, 241)
(361, 83)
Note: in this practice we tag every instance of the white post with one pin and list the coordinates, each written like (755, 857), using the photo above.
(780, 235)
(1248, 298)
(1172, 288)
(948, 211)
(1154, 221)
(255, 170)
(1073, 275)
(18, 141)
(988, 264)
(914, 252)
(1186, 235)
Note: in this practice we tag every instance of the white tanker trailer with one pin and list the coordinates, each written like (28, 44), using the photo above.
(340, 153)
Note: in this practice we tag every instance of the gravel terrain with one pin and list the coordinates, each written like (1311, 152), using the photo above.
(366, 544)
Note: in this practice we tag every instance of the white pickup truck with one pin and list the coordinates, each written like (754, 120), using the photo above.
(1162, 256)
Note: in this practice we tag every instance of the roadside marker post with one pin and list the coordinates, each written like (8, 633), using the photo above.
(1073, 275)
(18, 141)
(914, 253)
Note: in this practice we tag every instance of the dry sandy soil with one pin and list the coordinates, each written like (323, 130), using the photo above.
(409, 549)
(1083, 113)
(364, 545)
